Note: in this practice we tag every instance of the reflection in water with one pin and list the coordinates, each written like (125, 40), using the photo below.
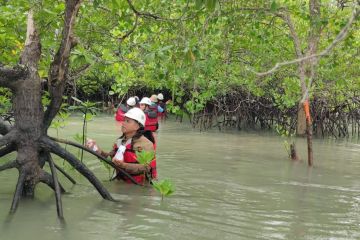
(233, 185)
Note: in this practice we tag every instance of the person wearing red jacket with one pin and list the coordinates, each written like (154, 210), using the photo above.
(124, 150)
(151, 123)
(122, 109)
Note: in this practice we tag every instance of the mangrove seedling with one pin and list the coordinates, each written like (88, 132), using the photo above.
(89, 111)
(165, 187)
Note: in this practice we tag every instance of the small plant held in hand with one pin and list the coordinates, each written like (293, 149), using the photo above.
(164, 187)
(145, 158)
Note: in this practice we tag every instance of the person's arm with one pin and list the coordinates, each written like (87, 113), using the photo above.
(90, 143)
(132, 168)
(106, 154)
(136, 168)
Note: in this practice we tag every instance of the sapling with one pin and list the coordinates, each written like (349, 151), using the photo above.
(164, 187)
(89, 111)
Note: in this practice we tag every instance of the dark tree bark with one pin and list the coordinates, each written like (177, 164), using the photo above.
(28, 136)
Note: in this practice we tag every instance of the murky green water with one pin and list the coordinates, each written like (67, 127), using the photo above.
(228, 186)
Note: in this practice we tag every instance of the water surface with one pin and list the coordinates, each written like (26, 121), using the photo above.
(229, 185)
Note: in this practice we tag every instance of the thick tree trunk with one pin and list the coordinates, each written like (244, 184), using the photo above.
(31, 123)
(28, 112)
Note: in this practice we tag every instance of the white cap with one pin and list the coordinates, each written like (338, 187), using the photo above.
(136, 114)
(160, 96)
(145, 100)
(131, 101)
(153, 98)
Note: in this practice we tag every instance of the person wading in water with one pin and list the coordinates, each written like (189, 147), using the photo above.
(134, 139)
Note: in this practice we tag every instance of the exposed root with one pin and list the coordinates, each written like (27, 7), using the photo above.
(6, 150)
(8, 138)
(4, 127)
(79, 166)
(47, 179)
(57, 188)
(8, 165)
(18, 192)
(45, 157)
(122, 171)
(65, 174)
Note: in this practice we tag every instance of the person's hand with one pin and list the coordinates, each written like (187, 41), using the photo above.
(90, 143)
(117, 162)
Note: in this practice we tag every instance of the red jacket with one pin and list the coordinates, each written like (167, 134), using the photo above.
(130, 157)
(120, 113)
(151, 122)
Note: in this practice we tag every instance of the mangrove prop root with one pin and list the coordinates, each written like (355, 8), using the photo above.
(57, 188)
(122, 171)
(79, 166)
(18, 192)
(65, 174)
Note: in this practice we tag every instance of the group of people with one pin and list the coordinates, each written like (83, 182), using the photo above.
(154, 108)
(139, 122)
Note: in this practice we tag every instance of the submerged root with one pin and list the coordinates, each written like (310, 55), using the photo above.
(18, 191)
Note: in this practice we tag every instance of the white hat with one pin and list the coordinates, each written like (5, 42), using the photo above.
(131, 101)
(145, 100)
(160, 96)
(153, 98)
(136, 114)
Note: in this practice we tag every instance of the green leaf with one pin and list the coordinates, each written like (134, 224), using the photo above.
(199, 3)
(145, 157)
(78, 137)
(211, 4)
(165, 187)
(88, 117)
(273, 6)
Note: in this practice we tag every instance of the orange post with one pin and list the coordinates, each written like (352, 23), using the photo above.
(307, 110)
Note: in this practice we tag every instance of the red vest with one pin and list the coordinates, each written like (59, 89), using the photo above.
(151, 122)
(120, 113)
(130, 157)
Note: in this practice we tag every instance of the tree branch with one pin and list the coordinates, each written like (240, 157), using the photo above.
(79, 166)
(122, 38)
(297, 45)
(32, 50)
(8, 138)
(60, 65)
(78, 72)
(6, 150)
(343, 33)
(5, 127)
(97, 155)
(143, 14)
(10, 76)
(8, 165)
